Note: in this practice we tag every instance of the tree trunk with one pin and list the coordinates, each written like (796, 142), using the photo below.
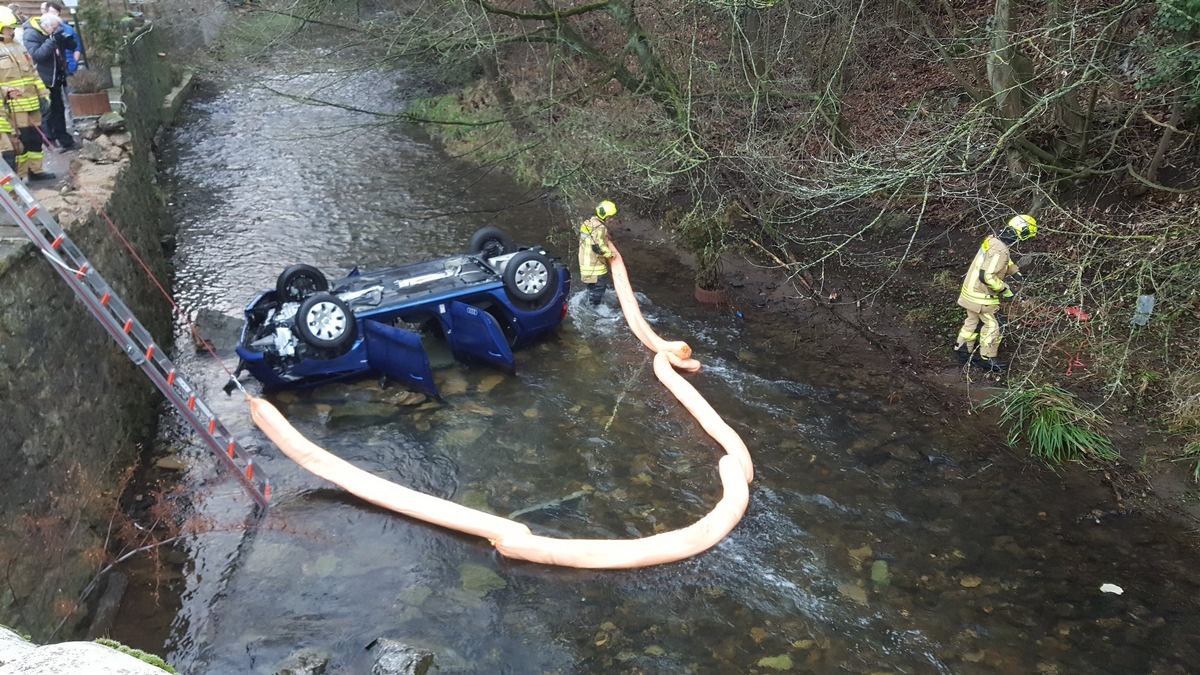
(1003, 74)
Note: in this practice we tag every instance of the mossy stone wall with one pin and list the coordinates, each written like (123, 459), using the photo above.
(76, 409)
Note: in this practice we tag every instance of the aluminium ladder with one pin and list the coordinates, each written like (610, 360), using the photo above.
(116, 318)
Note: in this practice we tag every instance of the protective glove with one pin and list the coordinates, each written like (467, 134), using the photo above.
(596, 249)
(1007, 293)
(1017, 277)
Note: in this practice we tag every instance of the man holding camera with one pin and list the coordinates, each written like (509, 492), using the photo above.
(47, 44)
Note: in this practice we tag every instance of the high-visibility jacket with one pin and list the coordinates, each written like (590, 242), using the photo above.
(984, 284)
(17, 73)
(592, 264)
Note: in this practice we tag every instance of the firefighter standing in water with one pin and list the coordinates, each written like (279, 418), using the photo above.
(984, 287)
(22, 91)
(594, 251)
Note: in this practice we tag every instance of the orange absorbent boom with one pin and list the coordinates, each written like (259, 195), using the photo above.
(515, 540)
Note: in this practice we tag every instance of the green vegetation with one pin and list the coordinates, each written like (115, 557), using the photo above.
(136, 653)
(1056, 426)
(1191, 454)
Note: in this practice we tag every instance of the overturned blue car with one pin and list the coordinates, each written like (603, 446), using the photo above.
(485, 303)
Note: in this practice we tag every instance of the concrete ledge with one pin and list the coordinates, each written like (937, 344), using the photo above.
(175, 98)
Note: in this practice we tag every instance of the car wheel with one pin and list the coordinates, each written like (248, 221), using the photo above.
(529, 277)
(298, 282)
(491, 242)
(326, 322)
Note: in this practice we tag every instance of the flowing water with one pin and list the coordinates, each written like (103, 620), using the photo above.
(879, 538)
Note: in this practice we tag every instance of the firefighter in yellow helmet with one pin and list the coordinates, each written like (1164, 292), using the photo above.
(21, 90)
(594, 251)
(984, 287)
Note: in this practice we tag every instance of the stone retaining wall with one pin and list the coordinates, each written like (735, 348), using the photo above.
(76, 409)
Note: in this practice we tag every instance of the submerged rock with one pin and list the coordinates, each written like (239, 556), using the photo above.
(479, 580)
(396, 658)
(305, 661)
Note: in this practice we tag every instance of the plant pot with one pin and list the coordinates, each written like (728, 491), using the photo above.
(89, 105)
(718, 296)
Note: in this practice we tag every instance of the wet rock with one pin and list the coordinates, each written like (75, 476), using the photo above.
(881, 577)
(853, 592)
(490, 382)
(479, 580)
(860, 555)
(393, 657)
(781, 662)
(306, 661)
(321, 567)
(171, 463)
(451, 382)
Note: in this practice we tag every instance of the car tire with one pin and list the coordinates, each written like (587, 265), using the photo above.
(529, 277)
(324, 321)
(298, 282)
(491, 242)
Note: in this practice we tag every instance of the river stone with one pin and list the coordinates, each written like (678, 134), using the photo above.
(490, 382)
(452, 382)
(880, 576)
(171, 463)
(324, 566)
(77, 657)
(396, 658)
(853, 592)
(859, 555)
(781, 662)
(480, 580)
(415, 595)
(306, 661)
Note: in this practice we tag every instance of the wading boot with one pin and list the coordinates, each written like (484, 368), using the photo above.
(992, 363)
(962, 353)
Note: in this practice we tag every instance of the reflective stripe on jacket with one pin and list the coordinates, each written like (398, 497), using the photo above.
(985, 278)
(591, 264)
(17, 72)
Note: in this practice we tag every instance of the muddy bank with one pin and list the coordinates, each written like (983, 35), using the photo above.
(893, 333)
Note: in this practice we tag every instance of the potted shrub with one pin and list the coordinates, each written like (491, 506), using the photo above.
(88, 93)
(705, 234)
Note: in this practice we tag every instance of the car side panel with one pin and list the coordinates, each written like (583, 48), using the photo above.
(474, 335)
(398, 354)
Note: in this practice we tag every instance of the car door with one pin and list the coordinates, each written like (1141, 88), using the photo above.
(474, 335)
(398, 354)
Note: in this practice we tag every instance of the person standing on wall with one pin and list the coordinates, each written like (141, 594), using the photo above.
(984, 287)
(47, 43)
(22, 92)
(594, 251)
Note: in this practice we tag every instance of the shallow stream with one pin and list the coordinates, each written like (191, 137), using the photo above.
(879, 538)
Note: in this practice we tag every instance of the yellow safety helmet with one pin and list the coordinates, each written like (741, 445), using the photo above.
(7, 18)
(605, 209)
(1025, 227)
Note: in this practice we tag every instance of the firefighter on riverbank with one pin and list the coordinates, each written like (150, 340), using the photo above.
(21, 90)
(984, 287)
(594, 251)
